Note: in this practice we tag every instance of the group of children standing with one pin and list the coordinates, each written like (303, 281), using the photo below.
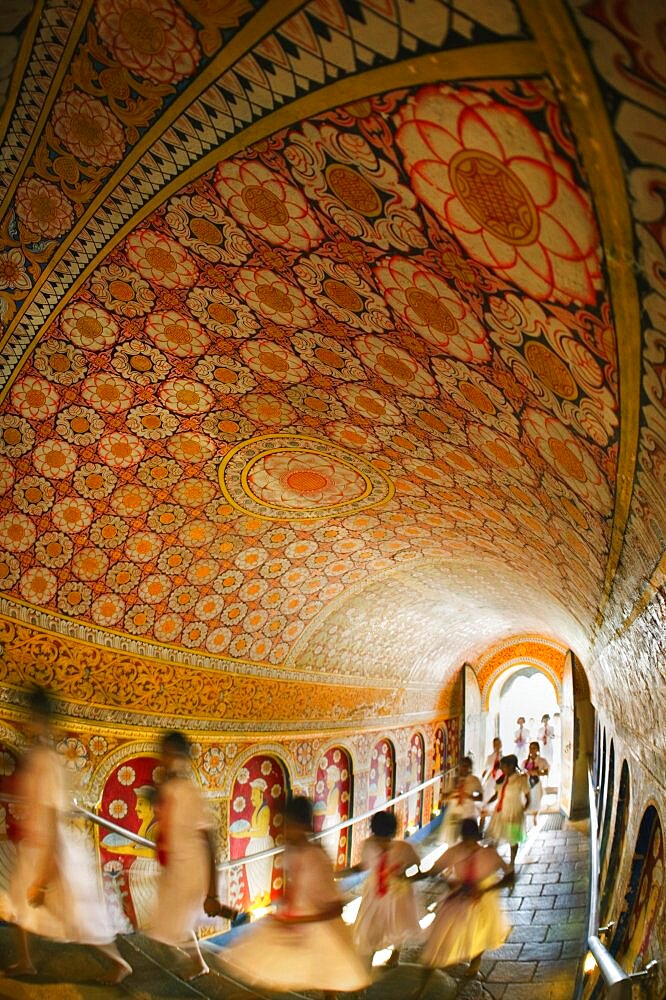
(304, 944)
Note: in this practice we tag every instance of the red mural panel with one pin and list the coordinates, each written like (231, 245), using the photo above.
(129, 871)
(256, 815)
(416, 758)
(332, 798)
(382, 774)
(9, 812)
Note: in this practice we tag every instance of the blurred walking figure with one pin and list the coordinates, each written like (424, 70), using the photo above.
(521, 738)
(388, 916)
(536, 768)
(463, 801)
(546, 737)
(50, 893)
(492, 771)
(305, 945)
(468, 919)
(187, 883)
(507, 823)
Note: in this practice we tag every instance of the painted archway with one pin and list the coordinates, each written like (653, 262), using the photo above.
(605, 827)
(332, 799)
(256, 816)
(619, 835)
(382, 774)
(644, 898)
(416, 759)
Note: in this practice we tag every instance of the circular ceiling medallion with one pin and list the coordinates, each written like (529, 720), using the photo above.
(289, 477)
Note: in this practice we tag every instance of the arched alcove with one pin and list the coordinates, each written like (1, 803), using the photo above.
(439, 765)
(333, 793)
(416, 759)
(130, 872)
(644, 897)
(617, 843)
(381, 786)
(608, 811)
(256, 817)
(602, 775)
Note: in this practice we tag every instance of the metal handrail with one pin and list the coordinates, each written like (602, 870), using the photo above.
(617, 981)
(271, 851)
(94, 818)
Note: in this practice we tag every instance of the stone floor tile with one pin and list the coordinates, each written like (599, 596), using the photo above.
(557, 888)
(544, 877)
(496, 990)
(507, 951)
(528, 889)
(511, 972)
(522, 991)
(544, 917)
(533, 933)
(545, 951)
(558, 971)
(572, 949)
(570, 902)
(521, 917)
(538, 902)
(566, 932)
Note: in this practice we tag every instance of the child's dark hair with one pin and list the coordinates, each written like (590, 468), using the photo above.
(176, 743)
(469, 830)
(510, 759)
(40, 703)
(299, 810)
(384, 824)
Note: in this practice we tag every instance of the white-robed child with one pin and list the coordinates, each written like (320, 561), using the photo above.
(507, 823)
(49, 893)
(187, 882)
(305, 944)
(469, 919)
(546, 737)
(388, 916)
(521, 737)
(490, 775)
(463, 801)
(535, 767)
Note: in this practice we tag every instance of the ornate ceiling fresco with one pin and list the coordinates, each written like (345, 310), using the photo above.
(318, 321)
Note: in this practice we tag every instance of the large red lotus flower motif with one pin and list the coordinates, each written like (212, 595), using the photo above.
(509, 199)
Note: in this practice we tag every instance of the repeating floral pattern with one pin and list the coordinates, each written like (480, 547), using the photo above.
(320, 285)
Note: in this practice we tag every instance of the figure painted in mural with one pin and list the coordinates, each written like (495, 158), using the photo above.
(187, 885)
(389, 915)
(521, 738)
(331, 811)
(507, 823)
(49, 893)
(145, 868)
(414, 779)
(469, 919)
(536, 767)
(305, 945)
(546, 737)
(491, 773)
(259, 874)
(463, 801)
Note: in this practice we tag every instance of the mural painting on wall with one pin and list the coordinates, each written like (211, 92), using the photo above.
(645, 896)
(382, 774)
(416, 760)
(9, 813)
(438, 765)
(332, 798)
(256, 813)
(129, 870)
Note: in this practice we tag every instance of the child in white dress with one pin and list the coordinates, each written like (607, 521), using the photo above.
(49, 893)
(536, 768)
(463, 801)
(389, 915)
(187, 884)
(305, 945)
(507, 823)
(469, 919)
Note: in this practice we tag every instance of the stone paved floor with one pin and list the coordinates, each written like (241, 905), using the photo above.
(546, 908)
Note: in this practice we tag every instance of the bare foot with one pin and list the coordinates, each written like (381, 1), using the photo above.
(20, 969)
(200, 970)
(122, 971)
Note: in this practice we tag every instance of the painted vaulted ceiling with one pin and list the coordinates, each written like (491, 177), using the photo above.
(323, 365)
